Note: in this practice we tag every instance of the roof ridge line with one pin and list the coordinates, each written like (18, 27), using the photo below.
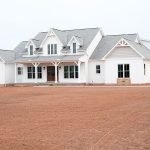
(75, 29)
(121, 34)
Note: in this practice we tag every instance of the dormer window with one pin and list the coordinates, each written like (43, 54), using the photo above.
(31, 49)
(48, 49)
(74, 47)
(51, 49)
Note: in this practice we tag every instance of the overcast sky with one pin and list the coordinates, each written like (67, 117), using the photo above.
(23, 19)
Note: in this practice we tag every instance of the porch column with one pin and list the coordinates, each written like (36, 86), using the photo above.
(79, 71)
(36, 65)
(56, 65)
(35, 73)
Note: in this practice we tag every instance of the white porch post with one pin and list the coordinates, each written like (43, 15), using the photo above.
(56, 65)
(36, 65)
(56, 73)
(79, 71)
(35, 72)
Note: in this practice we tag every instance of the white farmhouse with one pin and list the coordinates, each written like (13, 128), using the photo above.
(79, 56)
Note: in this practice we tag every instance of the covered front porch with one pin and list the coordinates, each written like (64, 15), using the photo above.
(50, 72)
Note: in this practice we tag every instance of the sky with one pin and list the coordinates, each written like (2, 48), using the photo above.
(21, 20)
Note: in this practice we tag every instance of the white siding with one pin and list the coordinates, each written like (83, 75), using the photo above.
(147, 71)
(123, 52)
(136, 70)
(9, 73)
(94, 77)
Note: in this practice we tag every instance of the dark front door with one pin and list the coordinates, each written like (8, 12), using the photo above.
(50, 73)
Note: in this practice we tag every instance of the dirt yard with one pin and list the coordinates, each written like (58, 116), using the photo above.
(75, 118)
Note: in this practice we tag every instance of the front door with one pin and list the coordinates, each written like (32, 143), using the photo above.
(50, 73)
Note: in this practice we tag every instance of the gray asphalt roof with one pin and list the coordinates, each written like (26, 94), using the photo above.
(49, 58)
(38, 39)
(21, 47)
(87, 35)
(108, 42)
(143, 50)
(7, 55)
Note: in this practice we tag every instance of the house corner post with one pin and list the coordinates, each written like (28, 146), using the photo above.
(86, 71)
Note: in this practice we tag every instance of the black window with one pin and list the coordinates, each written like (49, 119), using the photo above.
(55, 48)
(76, 72)
(98, 69)
(144, 69)
(52, 49)
(39, 72)
(31, 49)
(123, 71)
(31, 72)
(48, 49)
(66, 72)
(74, 48)
(126, 71)
(120, 71)
(71, 72)
(20, 70)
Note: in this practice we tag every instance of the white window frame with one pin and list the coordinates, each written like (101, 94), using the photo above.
(124, 71)
(68, 72)
(74, 52)
(52, 49)
(32, 72)
(20, 70)
(30, 50)
(98, 70)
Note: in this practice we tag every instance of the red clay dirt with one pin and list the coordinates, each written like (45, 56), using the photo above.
(75, 118)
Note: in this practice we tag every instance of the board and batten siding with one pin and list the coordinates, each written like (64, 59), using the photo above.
(123, 52)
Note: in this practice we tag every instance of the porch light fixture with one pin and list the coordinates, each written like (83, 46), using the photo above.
(43, 68)
(59, 67)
